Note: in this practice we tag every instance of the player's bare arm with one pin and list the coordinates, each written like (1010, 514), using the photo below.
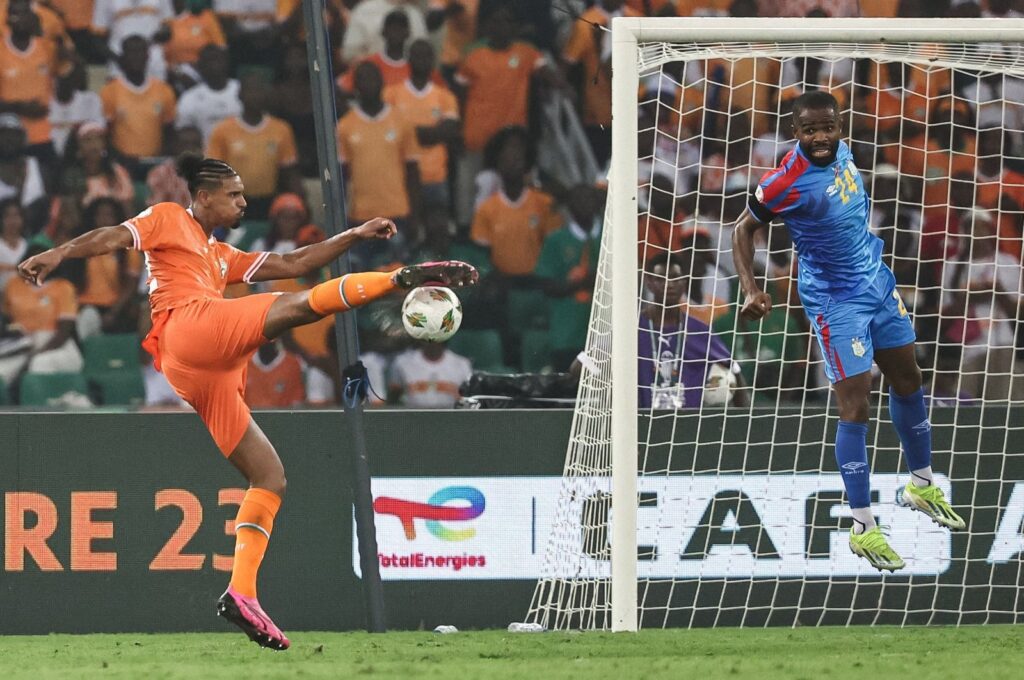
(97, 242)
(756, 302)
(309, 258)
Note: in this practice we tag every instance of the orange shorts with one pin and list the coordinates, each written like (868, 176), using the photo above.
(204, 349)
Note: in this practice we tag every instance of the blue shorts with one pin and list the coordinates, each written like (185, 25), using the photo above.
(850, 331)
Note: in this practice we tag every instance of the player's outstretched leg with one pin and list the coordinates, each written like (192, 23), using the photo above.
(256, 459)
(358, 289)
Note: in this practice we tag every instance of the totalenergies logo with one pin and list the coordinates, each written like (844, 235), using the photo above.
(435, 511)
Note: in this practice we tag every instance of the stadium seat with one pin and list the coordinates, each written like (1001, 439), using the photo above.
(534, 351)
(526, 309)
(42, 389)
(120, 388)
(482, 347)
(107, 353)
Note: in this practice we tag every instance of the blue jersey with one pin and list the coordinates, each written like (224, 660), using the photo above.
(826, 211)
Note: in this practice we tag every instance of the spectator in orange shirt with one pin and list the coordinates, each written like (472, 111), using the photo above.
(139, 109)
(459, 20)
(514, 221)
(588, 53)
(433, 112)
(274, 378)
(495, 83)
(93, 173)
(259, 146)
(391, 61)
(378, 150)
(47, 314)
(107, 298)
(29, 66)
(194, 27)
(163, 182)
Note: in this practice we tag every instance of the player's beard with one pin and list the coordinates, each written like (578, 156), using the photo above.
(825, 161)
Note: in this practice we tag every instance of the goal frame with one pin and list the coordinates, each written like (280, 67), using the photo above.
(628, 33)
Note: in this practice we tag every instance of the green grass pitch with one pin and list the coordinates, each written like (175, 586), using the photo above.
(976, 653)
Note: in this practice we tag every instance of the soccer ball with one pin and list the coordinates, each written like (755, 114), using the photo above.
(431, 313)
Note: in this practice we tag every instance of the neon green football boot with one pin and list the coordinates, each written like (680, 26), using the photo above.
(873, 546)
(931, 501)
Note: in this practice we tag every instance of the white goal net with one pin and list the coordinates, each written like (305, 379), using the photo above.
(740, 513)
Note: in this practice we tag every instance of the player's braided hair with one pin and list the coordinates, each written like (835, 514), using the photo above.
(202, 173)
(814, 100)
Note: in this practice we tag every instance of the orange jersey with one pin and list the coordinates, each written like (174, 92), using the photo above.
(40, 308)
(498, 83)
(515, 230)
(257, 152)
(184, 263)
(190, 33)
(278, 384)
(584, 49)
(29, 76)
(376, 149)
(51, 26)
(138, 114)
(392, 72)
(425, 108)
(460, 29)
(77, 13)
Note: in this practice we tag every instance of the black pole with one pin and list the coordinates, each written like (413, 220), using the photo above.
(321, 78)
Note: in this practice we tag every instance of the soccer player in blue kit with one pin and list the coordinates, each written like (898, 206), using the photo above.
(851, 301)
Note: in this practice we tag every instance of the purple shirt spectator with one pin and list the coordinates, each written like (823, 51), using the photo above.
(674, 362)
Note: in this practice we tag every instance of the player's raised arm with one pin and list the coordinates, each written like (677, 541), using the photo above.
(309, 258)
(96, 242)
(756, 302)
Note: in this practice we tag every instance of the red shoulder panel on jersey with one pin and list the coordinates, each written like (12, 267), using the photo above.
(783, 180)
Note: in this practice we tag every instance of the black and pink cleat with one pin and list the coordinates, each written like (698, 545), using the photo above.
(447, 273)
(246, 613)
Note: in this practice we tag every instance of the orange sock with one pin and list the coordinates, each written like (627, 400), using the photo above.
(253, 524)
(350, 291)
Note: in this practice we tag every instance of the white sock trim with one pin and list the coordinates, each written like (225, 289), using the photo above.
(863, 519)
(250, 525)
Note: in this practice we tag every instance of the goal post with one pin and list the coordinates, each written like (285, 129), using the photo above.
(597, 573)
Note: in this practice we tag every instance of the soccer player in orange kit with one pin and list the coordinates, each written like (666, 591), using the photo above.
(203, 342)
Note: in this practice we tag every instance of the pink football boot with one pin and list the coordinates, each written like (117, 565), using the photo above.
(246, 613)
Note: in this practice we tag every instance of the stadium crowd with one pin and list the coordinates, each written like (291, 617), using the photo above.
(440, 116)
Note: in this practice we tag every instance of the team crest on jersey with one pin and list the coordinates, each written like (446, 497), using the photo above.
(390, 135)
(858, 347)
(759, 194)
(513, 61)
(534, 221)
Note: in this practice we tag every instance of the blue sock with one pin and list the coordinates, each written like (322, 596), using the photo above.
(910, 418)
(852, 457)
